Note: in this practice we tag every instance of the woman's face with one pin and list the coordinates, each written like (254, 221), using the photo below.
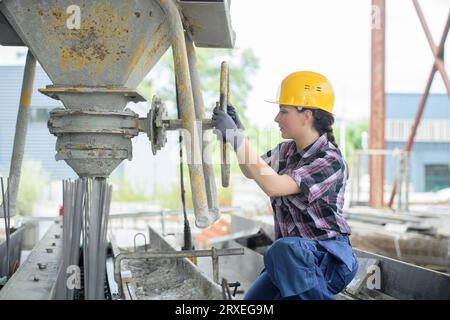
(292, 123)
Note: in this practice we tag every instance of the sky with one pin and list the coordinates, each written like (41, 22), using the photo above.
(333, 38)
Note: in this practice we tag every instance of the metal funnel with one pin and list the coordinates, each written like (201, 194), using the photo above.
(116, 45)
(95, 67)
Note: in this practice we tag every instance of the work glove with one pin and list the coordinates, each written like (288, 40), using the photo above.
(235, 116)
(226, 129)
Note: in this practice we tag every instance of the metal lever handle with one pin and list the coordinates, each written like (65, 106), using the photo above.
(224, 147)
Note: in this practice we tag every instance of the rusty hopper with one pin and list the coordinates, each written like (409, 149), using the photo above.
(93, 69)
(96, 53)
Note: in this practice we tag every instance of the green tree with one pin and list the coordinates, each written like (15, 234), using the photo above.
(242, 64)
(353, 136)
(32, 179)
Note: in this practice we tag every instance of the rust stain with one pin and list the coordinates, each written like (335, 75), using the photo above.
(25, 99)
(136, 55)
(160, 37)
(135, 123)
(98, 44)
(198, 186)
(57, 18)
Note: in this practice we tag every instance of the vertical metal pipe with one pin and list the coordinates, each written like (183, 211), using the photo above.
(21, 128)
(87, 208)
(406, 155)
(358, 178)
(199, 105)
(412, 134)
(186, 100)
(215, 264)
(93, 238)
(163, 223)
(352, 180)
(377, 112)
(399, 181)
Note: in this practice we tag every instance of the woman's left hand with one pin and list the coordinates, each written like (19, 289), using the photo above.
(225, 128)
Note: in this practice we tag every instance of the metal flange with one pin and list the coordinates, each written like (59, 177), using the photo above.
(156, 124)
(93, 143)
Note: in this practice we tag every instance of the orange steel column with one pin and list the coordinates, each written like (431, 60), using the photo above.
(377, 107)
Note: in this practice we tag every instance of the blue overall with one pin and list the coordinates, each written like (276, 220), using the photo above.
(299, 268)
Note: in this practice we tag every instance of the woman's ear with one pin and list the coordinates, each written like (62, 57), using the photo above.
(309, 115)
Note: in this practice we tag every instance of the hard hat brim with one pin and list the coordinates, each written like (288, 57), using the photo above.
(272, 101)
(305, 107)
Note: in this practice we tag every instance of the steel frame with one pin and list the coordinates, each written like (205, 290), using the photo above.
(378, 96)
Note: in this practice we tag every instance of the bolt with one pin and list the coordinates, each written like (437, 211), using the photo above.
(42, 266)
(57, 236)
(49, 250)
(53, 244)
(35, 279)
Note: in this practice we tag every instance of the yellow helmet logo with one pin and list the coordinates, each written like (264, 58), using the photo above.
(306, 89)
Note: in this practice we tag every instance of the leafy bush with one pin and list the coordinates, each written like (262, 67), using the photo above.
(32, 181)
(125, 190)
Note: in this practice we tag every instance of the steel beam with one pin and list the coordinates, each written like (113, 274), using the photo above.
(438, 54)
(377, 111)
(23, 115)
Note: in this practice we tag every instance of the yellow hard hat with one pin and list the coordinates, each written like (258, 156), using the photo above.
(306, 89)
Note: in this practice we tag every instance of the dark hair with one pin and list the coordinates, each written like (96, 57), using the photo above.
(323, 123)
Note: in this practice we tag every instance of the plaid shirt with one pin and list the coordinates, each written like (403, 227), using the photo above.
(320, 172)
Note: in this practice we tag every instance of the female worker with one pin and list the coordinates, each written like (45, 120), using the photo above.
(305, 178)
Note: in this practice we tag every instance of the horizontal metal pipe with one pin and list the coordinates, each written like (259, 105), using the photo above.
(175, 124)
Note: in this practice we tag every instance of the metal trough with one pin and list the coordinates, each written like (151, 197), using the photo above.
(165, 273)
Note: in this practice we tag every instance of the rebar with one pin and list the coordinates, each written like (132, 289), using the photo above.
(145, 241)
(86, 204)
